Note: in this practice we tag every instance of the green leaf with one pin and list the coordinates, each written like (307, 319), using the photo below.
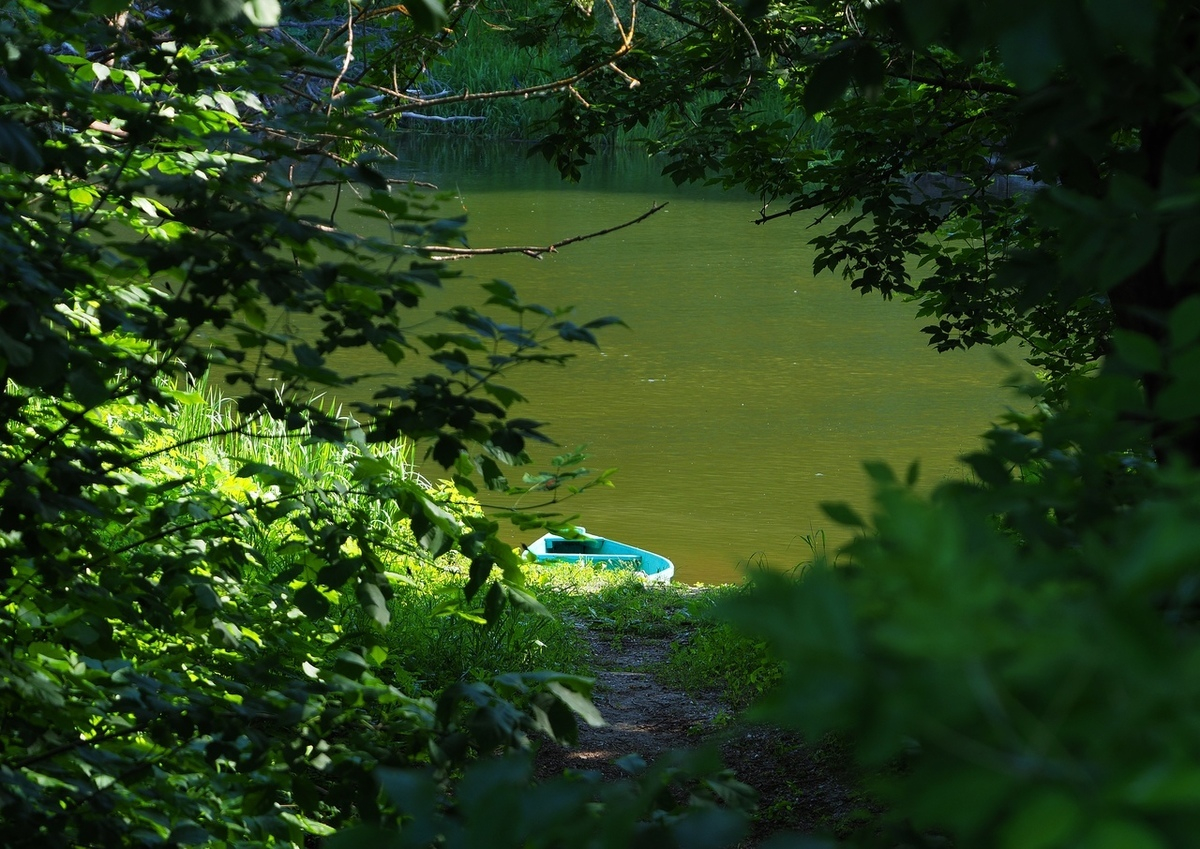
(570, 332)
(429, 535)
(1121, 834)
(1126, 251)
(1029, 47)
(185, 834)
(577, 699)
(370, 596)
(829, 81)
(87, 387)
(1167, 788)
(1045, 821)
(415, 794)
(606, 321)
(503, 394)
(437, 341)
(493, 477)
(17, 353)
(1180, 400)
(350, 664)
(493, 603)
(82, 195)
(880, 473)
(842, 513)
(81, 633)
(989, 468)
(1137, 351)
(370, 176)
(268, 475)
(262, 13)
(1182, 249)
(206, 597)
(312, 602)
(1183, 323)
(869, 68)
(524, 601)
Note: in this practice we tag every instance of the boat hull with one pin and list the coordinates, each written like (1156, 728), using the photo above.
(602, 551)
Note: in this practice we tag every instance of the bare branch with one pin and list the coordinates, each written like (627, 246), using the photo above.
(444, 252)
(741, 25)
(391, 181)
(347, 59)
(558, 85)
(417, 116)
(696, 25)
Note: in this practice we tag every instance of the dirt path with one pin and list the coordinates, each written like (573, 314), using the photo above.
(642, 716)
(800, 787)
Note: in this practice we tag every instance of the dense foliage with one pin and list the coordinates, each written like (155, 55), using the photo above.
(1012, 657)
(200, 641)
(955, 118)
(197, 595)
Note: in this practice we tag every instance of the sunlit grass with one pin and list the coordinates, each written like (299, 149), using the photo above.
(704, 653)
(435, 636)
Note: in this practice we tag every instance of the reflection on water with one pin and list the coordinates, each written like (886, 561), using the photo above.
(745, 392)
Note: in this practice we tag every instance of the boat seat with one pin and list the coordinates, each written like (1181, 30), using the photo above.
(574, 546)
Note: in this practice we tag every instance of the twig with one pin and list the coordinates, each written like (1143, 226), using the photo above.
(349, 56)
(417, 116)
(678, 17)
(633, 82)
(575, 93)
(749, 37)
(391, 181)
(741, 24)
(444, 252)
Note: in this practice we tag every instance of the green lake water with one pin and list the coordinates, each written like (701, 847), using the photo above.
(745, 392)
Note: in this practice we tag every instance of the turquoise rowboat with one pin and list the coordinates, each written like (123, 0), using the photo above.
(587, 548)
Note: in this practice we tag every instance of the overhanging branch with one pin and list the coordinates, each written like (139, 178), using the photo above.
(443, 253)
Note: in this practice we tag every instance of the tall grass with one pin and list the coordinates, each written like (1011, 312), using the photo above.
(210, 419)
(483, 59)
(434, 637)
(214, 443)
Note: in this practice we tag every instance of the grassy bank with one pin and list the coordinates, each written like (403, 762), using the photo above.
(434, 637)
